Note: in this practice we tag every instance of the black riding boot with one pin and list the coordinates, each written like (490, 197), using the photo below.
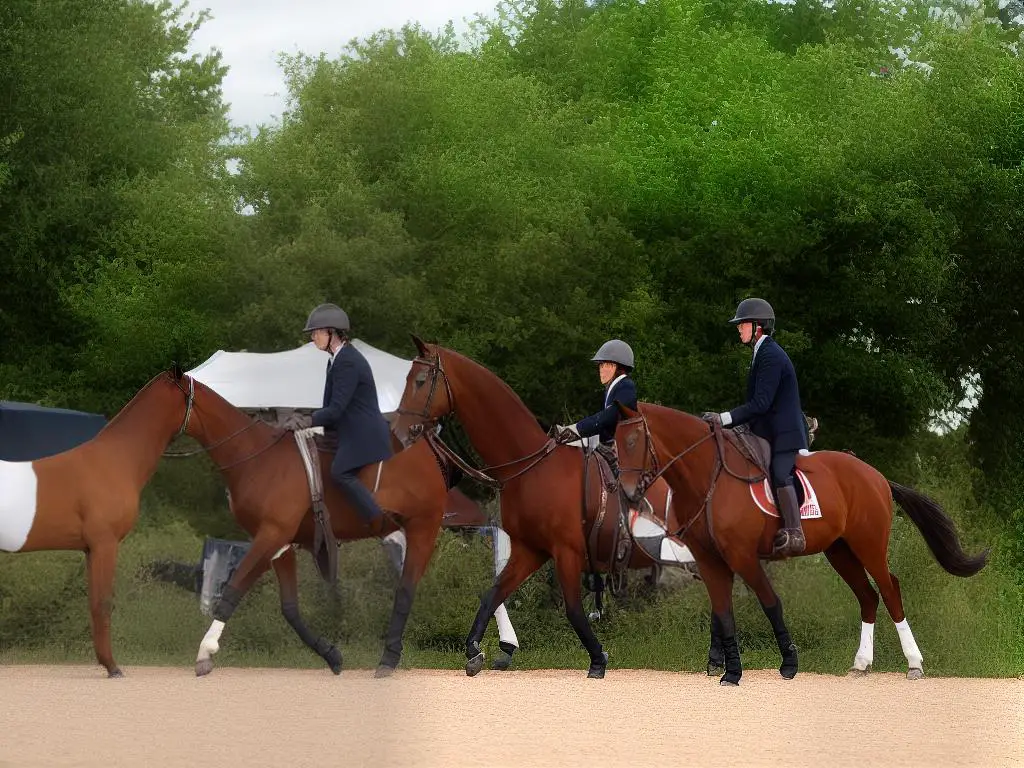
(790, 540)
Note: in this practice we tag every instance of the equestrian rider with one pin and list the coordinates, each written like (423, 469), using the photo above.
(350, 408)
(614, 364)
(773, 412)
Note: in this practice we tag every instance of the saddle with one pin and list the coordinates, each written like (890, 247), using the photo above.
(325, 545)
(758, 450)
(610, 544)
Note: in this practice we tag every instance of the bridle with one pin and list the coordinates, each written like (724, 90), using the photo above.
(436, 368)
(650, 474)
(190, 398)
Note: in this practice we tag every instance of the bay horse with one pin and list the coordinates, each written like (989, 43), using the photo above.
(270, 497)
(87, 498)
(546, 509)
(728, 533)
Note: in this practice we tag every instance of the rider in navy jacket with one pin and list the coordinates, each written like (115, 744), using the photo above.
(773, 412)
(350, 408)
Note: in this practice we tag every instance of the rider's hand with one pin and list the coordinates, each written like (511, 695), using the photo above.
(714, 419)
(564, 433)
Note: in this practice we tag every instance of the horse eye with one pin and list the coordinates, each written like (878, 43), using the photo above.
(421, 380)
(631, 441)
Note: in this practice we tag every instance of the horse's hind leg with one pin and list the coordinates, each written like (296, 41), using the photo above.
(849, 567)
(876, 563)
(568, 565)
(256, 562)
(288, 585)
(421, 535)
(522, 562)
(101, 564)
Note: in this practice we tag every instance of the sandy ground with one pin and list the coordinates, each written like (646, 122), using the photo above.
(74, 716)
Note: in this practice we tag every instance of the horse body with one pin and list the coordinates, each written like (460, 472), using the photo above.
(270, 497)
(543, 508)
(728, 534)
(87, 498)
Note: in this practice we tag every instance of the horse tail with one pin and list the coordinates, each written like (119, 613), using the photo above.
(939, 532)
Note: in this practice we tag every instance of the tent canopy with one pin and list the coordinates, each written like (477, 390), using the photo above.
(294, 378)
(29, 432)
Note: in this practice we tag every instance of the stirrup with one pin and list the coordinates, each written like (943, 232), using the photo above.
(789, 541)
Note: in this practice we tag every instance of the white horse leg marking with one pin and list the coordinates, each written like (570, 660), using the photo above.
(210, 644)
(866, 652)
(506, 632)
(280, 552)
(914, 659)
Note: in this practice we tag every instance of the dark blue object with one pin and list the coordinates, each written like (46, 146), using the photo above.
(29, 432)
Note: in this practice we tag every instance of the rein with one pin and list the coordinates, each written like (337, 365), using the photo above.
(190, 396)
(483, 475)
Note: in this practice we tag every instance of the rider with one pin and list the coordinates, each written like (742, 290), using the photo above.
(350, 408)
(614, 364)
(774, 413)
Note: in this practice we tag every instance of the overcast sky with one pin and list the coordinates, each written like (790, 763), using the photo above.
(251, 33)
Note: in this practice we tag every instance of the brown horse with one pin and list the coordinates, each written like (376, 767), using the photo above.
(271, 499)
(87, 498)
(546, 509)
(729, 534)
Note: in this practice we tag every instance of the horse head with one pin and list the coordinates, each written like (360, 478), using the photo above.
(638, 461)
(427, 397)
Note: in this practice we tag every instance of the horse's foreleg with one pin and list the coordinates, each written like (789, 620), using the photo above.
(568, 566)
(522, 561)
(253, 565)
(507, 640)
(288, 585)
(850, 569)
(752, 572)
(420, 537)
(718, 578)
(101, 564)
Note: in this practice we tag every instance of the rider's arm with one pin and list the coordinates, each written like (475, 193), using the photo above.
(768, 376)
(346, 377)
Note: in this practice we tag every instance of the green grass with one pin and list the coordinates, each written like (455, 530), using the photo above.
(965, 627)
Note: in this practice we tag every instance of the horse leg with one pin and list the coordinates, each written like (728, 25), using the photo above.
(718, 579)
(101, 564)
(849, 567)
(877, 565)
(568, 565)
(288, 585)
(420, 540)
(752, 572)
(522, 562)
(255, 563)
(507, 640)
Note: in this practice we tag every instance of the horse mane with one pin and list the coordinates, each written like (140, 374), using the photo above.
(495, 380)
(130, 405)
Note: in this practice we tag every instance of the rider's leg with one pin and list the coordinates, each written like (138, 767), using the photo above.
(790, 539)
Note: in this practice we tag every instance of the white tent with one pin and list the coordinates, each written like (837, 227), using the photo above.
(293, 379)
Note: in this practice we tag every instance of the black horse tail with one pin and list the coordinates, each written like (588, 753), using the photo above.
(939, 532)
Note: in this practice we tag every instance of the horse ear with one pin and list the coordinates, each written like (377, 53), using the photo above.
(625, 411)
(420, 345)
(176, 371)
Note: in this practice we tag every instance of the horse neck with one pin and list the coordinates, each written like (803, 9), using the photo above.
(674, 432)
(500, 426)
(141, 434)
(232, 433)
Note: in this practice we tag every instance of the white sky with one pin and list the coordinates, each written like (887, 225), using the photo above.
(251, 33)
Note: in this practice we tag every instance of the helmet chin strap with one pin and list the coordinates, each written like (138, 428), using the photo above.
(757, 333)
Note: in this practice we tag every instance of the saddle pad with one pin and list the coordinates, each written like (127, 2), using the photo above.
(762, 495)
(17, 503)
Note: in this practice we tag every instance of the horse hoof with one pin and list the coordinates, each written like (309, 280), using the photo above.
(204, 667)
(854, 672)
(915, 673)
(597, 669)
(502, 662)
(474, 665)
(333, 659)
(383, 671)
(730, 678)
